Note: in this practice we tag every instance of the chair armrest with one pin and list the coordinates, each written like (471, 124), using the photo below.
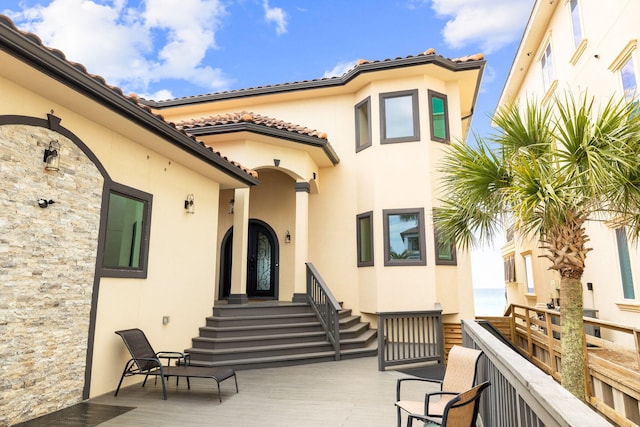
(427, 397)
(137, 361)
(401, 380)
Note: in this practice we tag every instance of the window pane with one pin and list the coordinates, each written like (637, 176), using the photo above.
(124, 232)
(528, 269)
(365, 244)
(438, 118)
(628, 79)
(363, 125)
(404, 237)
(399, 117)
(547, 68)
(625, 264)
(575, 20)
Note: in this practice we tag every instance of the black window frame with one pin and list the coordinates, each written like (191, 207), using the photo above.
(358, 109)
(139, 272)
(383, 116)
(433, 94)
(359, 237)
(422, 260)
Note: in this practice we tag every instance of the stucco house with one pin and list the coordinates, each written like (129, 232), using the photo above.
(576, 46)
(118, 212)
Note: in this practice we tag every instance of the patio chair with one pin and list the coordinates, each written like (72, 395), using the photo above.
(461, 411)
(459, 376)
(145, 361)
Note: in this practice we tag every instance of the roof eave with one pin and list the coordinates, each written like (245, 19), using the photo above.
(53, 63)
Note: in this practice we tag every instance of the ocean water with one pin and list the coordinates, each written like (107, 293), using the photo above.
(489, 301)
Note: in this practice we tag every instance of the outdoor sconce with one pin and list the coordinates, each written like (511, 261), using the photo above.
(231, 204)
(287, 237)
(43, 203)
(52, 156)
(276, 162)
(189, 204)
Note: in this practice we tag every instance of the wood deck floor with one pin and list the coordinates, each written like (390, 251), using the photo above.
(348, 393)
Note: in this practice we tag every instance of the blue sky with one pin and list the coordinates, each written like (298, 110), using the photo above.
(162, 49)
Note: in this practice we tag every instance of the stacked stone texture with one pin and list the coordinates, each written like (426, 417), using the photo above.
(47, 265)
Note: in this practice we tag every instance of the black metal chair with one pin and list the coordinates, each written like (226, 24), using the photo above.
(461, 411)
(145, 361)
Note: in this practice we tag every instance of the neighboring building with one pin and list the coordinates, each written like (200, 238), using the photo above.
(578, 46)
(120, 248)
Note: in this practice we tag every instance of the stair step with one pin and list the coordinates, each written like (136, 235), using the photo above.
(265, 329)
(261, 350)
(254, 340)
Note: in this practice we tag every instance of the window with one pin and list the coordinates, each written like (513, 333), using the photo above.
(363, 124)
(575, 21)
(126, 233)
(399, 117)
(510, 268)
(445, 250)
(628, 75)
(438, 116)
(547, 68)
(404, 237)
(625, 264)
(365, 239)
(528, 270)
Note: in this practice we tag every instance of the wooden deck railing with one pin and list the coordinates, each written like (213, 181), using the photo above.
(519, 395)
(612, 379)
(325, 305)
(409, 337)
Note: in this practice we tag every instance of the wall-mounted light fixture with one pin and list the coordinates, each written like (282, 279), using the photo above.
(44, 203)
(232, 202)
(189, 204)
(52, 156)
(276, 162)
(287, 237)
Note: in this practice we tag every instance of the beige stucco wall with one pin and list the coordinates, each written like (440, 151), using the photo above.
(389, 176)
(608, 28)
(59, 249)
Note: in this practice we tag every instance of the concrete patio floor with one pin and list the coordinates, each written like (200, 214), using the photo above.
(348, 393)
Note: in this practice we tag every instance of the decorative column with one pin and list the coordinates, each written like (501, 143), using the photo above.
(238, 294)
(301, 241)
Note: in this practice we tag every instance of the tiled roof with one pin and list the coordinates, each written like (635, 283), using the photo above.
(362, 65)
(248, 117)
(131, 98)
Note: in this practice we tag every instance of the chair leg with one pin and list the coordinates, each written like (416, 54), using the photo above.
(120, 383)
(188, 384)
(399, 416)
(219, 392)
(164, 388)
(235, 378)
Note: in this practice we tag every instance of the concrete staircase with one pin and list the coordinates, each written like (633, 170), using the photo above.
(272, 334)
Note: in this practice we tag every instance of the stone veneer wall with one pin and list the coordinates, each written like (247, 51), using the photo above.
(47, 264)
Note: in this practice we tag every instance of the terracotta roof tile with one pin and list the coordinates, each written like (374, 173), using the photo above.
(249, 117)
(100, 80)
(431, 52)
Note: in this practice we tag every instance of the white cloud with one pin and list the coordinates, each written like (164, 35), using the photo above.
(339, 69)
(489, 24)
(130, 48)
(276, 15)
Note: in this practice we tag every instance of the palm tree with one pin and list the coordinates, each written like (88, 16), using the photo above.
(547, 171)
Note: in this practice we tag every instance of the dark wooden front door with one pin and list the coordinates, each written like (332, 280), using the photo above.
(262, 262)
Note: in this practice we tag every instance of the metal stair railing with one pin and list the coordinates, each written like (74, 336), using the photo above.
(325, 306)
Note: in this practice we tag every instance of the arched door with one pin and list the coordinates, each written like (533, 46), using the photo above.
(262, 262)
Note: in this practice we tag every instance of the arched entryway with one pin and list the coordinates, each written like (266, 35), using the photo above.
(262, 262)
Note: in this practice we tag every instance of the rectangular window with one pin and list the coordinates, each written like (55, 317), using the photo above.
(126, 233)
(510, 268)
(547, 68)
(365, 239)
(404, 237)
(628, 75)
(445, 250)
(438, 116)
(528, 270)
(399, 117)
(625, 264)
(575, 21)
(363, 124)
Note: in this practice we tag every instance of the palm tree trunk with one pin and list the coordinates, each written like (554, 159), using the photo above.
(572, 343)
